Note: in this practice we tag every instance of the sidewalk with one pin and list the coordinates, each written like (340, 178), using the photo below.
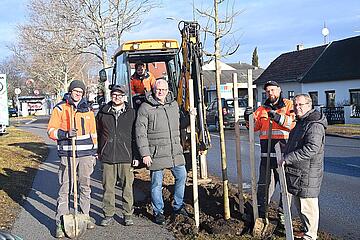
(36, 219)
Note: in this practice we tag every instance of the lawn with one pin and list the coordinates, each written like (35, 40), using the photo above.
(21, 155)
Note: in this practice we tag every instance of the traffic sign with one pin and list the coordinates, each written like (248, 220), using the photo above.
(17, 91)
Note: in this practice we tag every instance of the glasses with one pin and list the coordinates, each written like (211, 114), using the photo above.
(162, 89)
(301, 104)
(118, 95)
(78, 91)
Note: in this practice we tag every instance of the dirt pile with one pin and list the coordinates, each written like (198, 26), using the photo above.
(212, 223)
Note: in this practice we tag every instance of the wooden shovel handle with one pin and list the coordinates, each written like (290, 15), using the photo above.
(73, 158)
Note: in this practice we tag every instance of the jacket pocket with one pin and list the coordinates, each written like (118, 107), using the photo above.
(127, 151)
(293, 177)
(103, 148)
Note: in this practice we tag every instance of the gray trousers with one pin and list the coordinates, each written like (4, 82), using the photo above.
(111, 173)
(85, 167)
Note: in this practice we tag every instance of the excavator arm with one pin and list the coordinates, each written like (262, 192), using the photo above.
(192, 57)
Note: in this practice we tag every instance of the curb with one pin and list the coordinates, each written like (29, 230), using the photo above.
(343, 136)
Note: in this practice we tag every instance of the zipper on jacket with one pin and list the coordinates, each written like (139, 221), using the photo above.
(171, 144)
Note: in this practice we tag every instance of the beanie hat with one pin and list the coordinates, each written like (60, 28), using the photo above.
(76, 84)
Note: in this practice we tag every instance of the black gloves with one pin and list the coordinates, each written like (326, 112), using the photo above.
(247, 113)
(71, 133)
(274, 116)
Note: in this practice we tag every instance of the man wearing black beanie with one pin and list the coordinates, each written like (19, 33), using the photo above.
(72, 119)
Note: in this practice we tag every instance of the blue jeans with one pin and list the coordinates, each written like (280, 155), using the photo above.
(179, 172)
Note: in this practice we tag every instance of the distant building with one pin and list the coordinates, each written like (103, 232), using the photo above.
(330, 74)
(226, 79)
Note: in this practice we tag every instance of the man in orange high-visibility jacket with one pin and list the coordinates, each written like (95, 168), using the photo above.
(82, 127)
(280, 111)
(141, 81)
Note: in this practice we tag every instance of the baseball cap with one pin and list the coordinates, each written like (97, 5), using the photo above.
(118, 88)
(271, 83)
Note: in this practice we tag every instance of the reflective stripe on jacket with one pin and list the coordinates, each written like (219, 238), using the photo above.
(59, 125)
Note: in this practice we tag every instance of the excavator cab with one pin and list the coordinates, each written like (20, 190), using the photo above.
(161, 58)
(164, 58)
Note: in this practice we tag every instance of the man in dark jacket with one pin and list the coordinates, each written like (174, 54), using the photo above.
(115, 125)
(304, 157)
(158, 140)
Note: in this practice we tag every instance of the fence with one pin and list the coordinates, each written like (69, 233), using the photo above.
(355, 111)
(334, 115)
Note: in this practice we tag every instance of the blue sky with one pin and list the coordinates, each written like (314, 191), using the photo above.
(274, 26)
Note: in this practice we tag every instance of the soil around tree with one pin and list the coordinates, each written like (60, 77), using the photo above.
(212, 223)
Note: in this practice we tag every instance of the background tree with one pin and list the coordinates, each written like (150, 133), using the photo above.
(64, 39)
(14, 76)
(255, 58)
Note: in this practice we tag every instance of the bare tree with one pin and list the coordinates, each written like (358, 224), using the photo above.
(102, 23)
(61, 36)
(218, 29)
(14, 76)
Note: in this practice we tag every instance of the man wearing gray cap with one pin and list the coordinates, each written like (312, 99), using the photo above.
(279, 111)
(117, 151)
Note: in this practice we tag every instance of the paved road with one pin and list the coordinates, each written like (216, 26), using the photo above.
(339, 197)
(36, 220)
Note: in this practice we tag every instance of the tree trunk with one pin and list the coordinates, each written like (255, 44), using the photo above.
(221, 125)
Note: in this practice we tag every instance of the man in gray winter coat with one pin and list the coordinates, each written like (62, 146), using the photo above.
(158, 140)
(304, 163)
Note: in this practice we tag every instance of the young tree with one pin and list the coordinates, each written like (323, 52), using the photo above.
(255, 58)
(221, 28)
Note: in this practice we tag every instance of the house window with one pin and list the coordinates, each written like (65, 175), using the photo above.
(291, 95)
(315, 98)
(330, 98)
(355, 97)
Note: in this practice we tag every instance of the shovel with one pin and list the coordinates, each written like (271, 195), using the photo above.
(261, 225)
(75, 224)
(285, 196)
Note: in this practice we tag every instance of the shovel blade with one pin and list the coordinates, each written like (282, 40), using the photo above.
(75, 225)
(258, 228)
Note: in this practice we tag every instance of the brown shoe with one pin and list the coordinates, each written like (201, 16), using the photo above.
(299, 235)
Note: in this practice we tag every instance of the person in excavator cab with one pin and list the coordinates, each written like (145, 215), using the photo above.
(142, 80)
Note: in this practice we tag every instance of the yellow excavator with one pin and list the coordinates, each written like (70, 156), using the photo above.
(166, 59)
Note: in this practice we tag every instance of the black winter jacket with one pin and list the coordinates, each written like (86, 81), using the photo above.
(116, 138)
(304, 155)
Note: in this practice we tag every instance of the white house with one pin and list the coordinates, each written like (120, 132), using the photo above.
(330, 74)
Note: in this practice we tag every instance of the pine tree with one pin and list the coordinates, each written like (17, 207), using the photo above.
(255, 58)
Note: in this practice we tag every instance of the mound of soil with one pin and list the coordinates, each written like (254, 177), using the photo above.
(212, 223)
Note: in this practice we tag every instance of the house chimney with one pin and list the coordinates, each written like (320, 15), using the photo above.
(300, 47)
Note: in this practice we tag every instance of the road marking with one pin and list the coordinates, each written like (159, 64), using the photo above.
(31, 121)
(352, 165)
